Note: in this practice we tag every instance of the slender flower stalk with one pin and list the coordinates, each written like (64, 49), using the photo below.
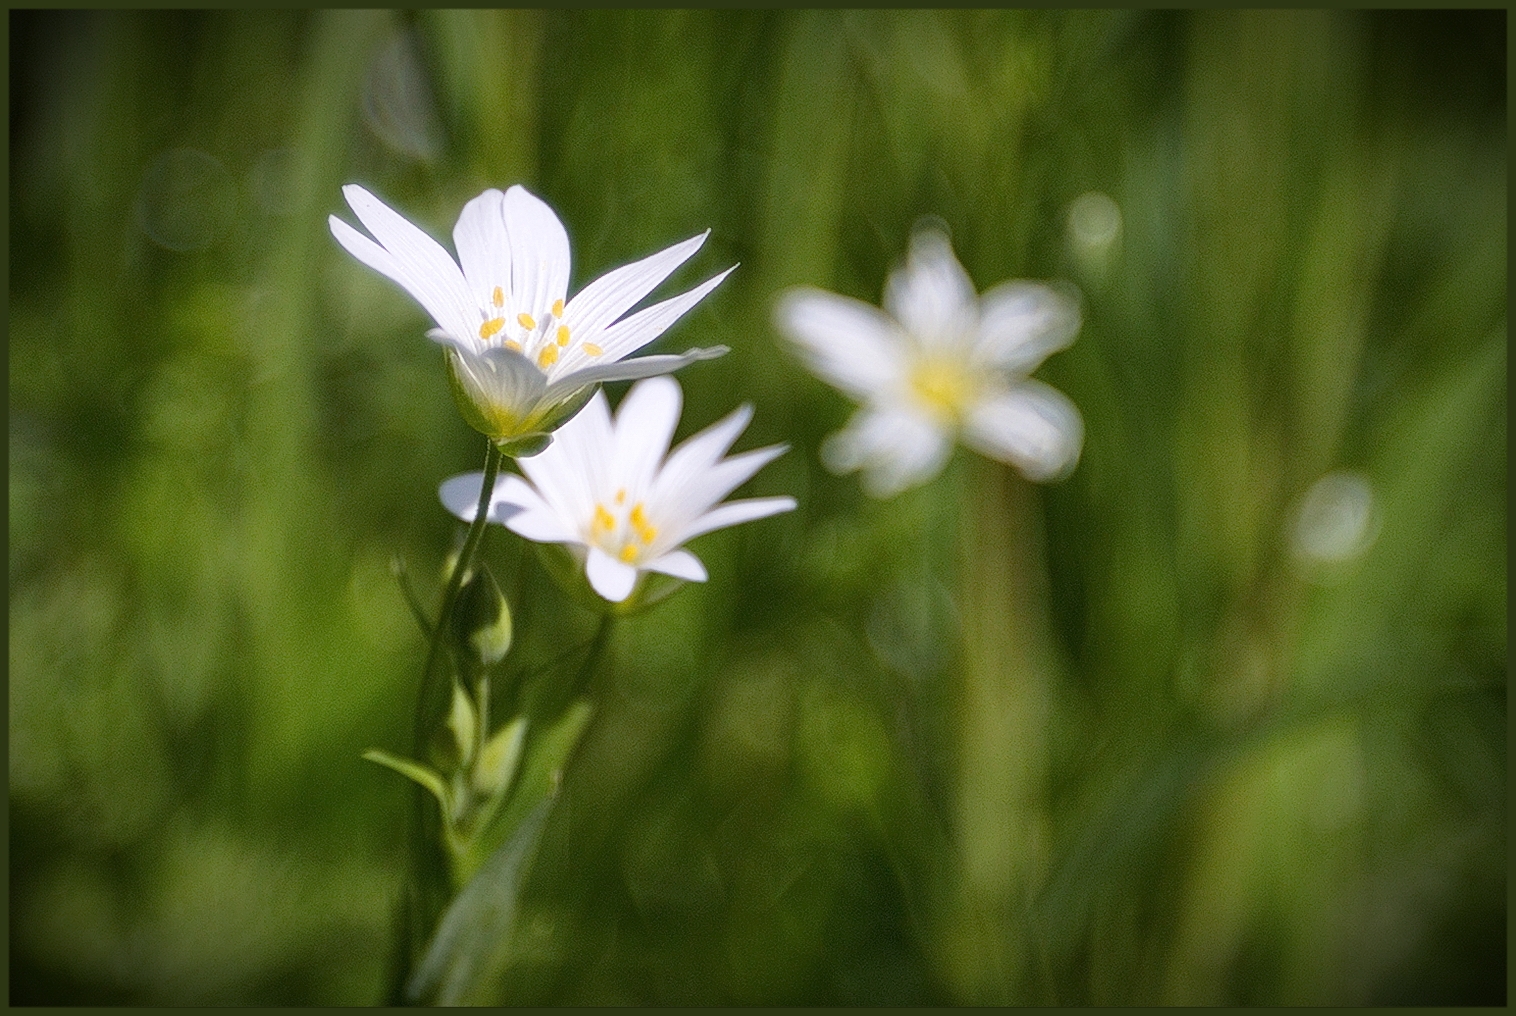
(521, 356)
(612, 493)
(939, 363)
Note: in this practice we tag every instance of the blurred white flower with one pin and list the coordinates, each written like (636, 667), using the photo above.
(520, 358)
(1337, 519)
(941, 363)
(612, 492)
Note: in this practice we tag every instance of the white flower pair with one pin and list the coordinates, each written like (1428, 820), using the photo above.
(521, 360)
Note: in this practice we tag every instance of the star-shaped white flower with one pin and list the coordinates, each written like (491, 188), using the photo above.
(941, 363)
(612, 492)
(521, 355)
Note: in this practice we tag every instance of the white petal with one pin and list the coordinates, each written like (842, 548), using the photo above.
(627, 370)
(681, 564)
(539, 252)
(645, 423)
(932, 296)
(609, 577)
(850, 345)
(895, 447)
(569, 473)
(704, 489)
(483, 248)
(519, 507)
(735, 512)
(692, 460)
(1033, 426)
(1021, 323)
(417, 262)
(460, 494)
(598, 305)
(632, 333)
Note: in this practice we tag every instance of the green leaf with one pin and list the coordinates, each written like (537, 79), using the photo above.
(423, 775)
(473, 936)
(541, 768)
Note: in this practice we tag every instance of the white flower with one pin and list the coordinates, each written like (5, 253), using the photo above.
(520, 358)
(940, 364)
(611, 491)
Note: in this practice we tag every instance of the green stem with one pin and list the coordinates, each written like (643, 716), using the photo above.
(429, 886)
(471, 546)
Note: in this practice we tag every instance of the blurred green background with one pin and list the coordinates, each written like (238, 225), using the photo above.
(1262, 752)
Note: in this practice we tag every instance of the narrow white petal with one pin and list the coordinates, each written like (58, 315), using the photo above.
(734, 512)
(845, 342)
(895, 447)
(570, 471)
(708, 486)
(609, 577)
(434, 298)
(627, 370)
(632, 333)
(426, 270)
(1021, 323)
(483, 248)
(1033, 426)
(460, 494)
(645, 423)
(695, 458)
(598, 305)
(539, 252)
(932, 296)
(519, 507)
(681, 564)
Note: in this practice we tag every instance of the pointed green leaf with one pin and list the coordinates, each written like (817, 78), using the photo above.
(499, 757)
(423, 775)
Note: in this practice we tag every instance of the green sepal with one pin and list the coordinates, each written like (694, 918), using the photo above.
(525, 445)
(463, 722)
(498, 759)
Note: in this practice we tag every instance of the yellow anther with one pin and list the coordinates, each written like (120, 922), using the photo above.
(563, 335)
(638, 516)
(628, 553)
(557, 308)
(548, 356)
(525, 321)
(491, 326)
(592, 349)
(603, 519)
(621, 496)
(513, 344)
(499, 297)
(647, 534)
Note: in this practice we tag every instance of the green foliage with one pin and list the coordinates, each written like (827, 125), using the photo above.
(1115, 741)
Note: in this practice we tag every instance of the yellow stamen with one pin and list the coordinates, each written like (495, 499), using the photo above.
(621, 496)
(647, 534)
(513, 344)
(592, 349)
(563, 335)
(943, 387)
(628, 553)
(638, 516)
(525, 321)
(548, 356)
(499, 297)
(603, 519)
(557, 308)
(491, 326)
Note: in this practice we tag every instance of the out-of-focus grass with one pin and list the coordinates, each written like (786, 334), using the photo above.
(1252, 778)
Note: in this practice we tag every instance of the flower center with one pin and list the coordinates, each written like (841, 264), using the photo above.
(540, 340)
(941, 386)
(625, 535)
